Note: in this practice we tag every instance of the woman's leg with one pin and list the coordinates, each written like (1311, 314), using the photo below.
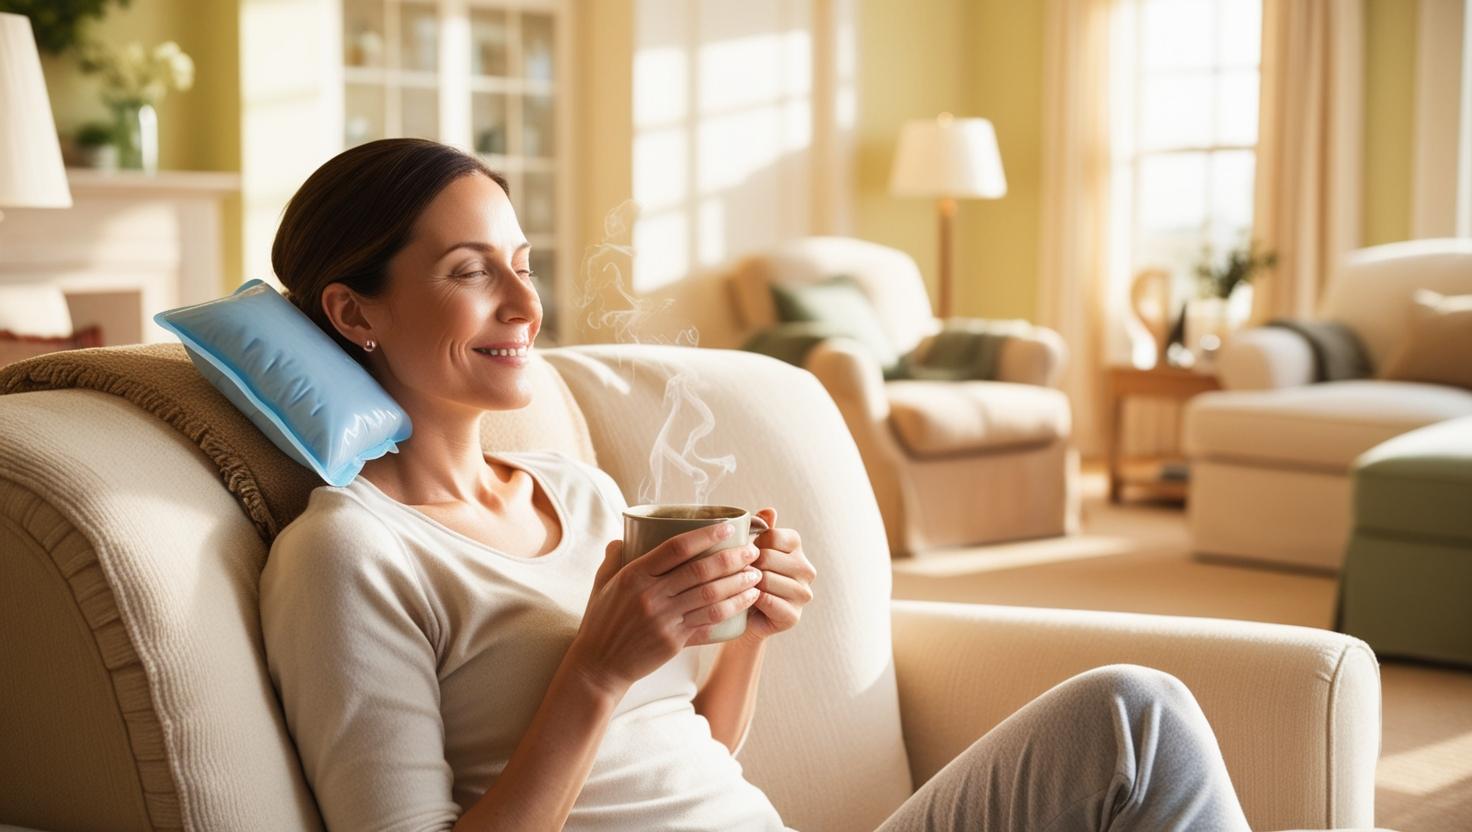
(1120, 747)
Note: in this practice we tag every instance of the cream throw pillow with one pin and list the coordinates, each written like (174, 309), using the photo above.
(1437, 345)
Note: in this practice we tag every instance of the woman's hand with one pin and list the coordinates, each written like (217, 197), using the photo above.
(786, 585)
(640, 615)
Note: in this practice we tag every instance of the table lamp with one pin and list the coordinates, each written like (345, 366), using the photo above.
(31, 171)
(948, 158)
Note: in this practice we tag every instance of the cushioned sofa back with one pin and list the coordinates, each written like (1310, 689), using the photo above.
(136, 694)
(1372, 291)
(825, 741)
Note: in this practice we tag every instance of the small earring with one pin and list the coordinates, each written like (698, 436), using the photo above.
(369, 345)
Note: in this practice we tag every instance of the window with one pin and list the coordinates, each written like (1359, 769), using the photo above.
(1185, 134)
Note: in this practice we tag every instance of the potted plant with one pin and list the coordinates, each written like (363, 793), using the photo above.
(1211, 316)
(96, 144)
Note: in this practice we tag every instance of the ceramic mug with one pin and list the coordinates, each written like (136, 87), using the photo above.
(647, 526)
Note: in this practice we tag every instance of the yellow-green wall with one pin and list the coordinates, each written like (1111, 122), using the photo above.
(199, 129)
(1390, 95)
(909, 66)
(978, 58)
(1004, 83)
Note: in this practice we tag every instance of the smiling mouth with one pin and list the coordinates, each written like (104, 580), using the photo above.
(519, 352)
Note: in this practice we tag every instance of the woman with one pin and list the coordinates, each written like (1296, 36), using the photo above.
(456, 646)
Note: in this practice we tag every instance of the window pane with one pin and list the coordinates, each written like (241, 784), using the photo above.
(488, 41)
(1231, 188)
(536, 49)
(1172, 192)
(1176, 112)
(1177, 33)
(364, 106)
(661, 162)
(536, 132)
(419, 29)
(537, 195)
(362, 26)
(488, 122)
(1239, 34)
(1236, 107)
(420, 110)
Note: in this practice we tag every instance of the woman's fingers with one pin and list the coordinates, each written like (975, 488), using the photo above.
(785, 588)
(706, 569)
(782, 614)
(785, 540)
(792, 564)
(679, 549)
(715, 591)
(722, 610)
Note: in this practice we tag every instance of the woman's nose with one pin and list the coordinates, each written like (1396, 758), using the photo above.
(521, 300)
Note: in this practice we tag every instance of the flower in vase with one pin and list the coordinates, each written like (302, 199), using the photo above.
(134, 75)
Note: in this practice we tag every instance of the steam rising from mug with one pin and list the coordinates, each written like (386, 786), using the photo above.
(678, 472)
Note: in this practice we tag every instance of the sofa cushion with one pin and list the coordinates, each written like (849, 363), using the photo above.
(933, 418)
(1418, 484)
(840, 304)
(1317, 426)
(1437, 345)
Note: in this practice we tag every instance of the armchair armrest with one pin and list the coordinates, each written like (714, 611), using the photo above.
(1264, 358)
(1296, 710)
(851, 376)
(1037, 358)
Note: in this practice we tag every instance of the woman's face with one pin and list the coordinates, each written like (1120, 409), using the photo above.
(459, 298)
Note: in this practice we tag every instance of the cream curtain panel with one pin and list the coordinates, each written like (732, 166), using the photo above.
(1073, 296)
(1306, 205)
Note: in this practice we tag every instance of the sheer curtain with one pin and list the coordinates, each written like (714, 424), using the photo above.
(1074, 260)
(1307, 193)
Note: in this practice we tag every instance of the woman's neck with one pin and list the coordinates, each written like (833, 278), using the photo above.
(443, 462)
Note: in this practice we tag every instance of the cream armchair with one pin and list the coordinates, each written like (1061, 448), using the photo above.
(137, 695)
(952, 463)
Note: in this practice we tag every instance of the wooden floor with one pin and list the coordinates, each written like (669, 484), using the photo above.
(1135, 558)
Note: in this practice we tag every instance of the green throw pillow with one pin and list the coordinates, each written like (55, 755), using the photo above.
(841, 304)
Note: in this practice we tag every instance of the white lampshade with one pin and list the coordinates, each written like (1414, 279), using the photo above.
(948, 157)
(31, 171)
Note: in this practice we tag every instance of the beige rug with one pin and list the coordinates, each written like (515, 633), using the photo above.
(1135, 558)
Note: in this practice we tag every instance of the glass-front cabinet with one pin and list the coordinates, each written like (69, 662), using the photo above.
(488, 77)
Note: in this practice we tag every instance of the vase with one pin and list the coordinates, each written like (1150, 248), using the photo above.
(1206, 327)
(1210, 321)
(136, 136)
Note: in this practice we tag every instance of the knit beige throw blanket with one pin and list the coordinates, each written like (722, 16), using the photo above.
(271, 487)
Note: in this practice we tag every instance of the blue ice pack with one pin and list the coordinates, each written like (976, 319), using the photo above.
(317, 404)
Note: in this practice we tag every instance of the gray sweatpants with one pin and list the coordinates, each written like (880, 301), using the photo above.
(1120, 747)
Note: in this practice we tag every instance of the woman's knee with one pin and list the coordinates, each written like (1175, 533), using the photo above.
(1134, 685)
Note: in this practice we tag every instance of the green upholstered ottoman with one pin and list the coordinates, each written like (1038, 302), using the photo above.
(1406, 586)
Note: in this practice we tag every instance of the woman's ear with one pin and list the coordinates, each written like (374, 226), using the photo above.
(344, 309)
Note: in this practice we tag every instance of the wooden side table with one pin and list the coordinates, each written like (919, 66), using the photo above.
(1162, 383)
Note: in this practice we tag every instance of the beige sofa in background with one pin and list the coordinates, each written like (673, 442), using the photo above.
(137, 695)
(1271, 453)
(952, 463)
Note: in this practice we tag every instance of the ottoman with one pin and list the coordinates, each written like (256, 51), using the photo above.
(1406, 586)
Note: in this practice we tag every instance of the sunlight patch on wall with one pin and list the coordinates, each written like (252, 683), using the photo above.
(723, 131)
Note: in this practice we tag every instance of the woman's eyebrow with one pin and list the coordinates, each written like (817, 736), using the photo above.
(485, 247)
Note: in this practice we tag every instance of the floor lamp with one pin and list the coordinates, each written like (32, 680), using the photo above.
(948, 158)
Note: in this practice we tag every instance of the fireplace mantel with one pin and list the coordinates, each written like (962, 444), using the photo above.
(131, 245)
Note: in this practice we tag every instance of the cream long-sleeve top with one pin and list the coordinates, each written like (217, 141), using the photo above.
(410, 659)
